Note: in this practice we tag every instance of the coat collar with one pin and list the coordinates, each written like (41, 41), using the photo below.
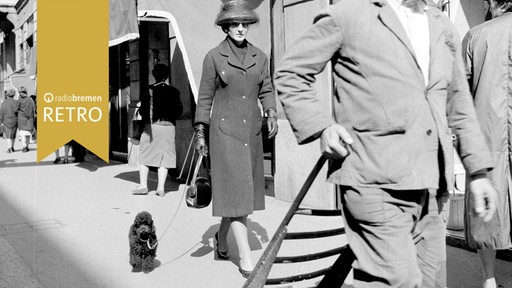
(250, 58)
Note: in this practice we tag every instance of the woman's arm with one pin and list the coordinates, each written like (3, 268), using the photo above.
(206, 90)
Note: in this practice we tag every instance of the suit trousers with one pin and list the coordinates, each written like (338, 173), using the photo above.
(397, 236)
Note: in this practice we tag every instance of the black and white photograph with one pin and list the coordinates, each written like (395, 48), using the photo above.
(263, 143)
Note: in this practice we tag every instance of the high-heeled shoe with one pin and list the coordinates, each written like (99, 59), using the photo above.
(222, 255)
(245, 273)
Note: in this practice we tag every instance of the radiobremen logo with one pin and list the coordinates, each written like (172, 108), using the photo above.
(71, 113)
(72, 83)
(80, 116)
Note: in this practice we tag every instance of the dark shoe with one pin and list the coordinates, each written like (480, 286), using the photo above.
(25, 149)
(160, 193)
(56, 161)
(12, 149)
(245, 273)
(222, 255)
(9, 150)
(66, 161)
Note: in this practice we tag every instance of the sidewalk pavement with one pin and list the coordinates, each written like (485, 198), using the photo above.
(65, 226)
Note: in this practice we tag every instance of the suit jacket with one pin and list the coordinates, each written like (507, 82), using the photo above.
(402, 130)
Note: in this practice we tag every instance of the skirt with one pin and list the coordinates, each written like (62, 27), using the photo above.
(10, 133)
(157, 146)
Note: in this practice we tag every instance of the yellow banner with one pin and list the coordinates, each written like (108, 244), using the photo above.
(72, 75)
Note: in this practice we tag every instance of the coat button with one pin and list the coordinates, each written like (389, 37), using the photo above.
(222, 119)
(245, 144)
(222, 72)
(243, 73)
(243, 97)
(245, 121)
(429, 132)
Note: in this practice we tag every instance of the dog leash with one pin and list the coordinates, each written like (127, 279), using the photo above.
(181, 199)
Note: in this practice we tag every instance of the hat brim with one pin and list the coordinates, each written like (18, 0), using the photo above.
(221, 22)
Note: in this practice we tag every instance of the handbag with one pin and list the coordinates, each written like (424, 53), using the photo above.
(137, 126)
(199, 191)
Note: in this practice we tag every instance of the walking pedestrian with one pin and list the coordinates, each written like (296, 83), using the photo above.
(235, 76)
(57, 159)
(26, 114)
(400, 93)
(9, 118)
(487, 51)
(159, 112)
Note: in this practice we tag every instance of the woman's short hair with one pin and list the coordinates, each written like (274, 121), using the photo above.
(160, 71)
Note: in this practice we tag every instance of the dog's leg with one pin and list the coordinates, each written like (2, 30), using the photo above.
(147, 264)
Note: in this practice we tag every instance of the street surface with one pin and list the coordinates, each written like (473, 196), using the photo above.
(64, 226)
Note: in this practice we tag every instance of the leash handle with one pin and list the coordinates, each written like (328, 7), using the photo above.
(196, 170)
(186, 157)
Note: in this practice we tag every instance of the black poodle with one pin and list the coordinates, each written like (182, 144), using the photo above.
(143, 243)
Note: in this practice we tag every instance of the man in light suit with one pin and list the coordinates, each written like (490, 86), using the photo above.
(400, 94)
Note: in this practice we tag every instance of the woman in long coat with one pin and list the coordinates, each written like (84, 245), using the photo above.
(235, 77)
(9, 118)
(26, 117)
(487, 54)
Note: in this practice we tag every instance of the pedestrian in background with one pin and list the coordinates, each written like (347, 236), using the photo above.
(235, 76)
(33, 138)
(26, 116)
(159, 112)
(9, 118)
(487, 51)
(57, 159)
(400, 93)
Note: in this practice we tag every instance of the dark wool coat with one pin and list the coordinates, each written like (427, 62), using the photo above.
(9, 113)
(26, 114)
(231, 90)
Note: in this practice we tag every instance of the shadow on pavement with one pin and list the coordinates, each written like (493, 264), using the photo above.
(49, 264)
(171, 184)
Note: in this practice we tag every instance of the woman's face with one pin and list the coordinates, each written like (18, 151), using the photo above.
(238, 31)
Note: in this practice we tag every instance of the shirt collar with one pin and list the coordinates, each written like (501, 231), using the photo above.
(397, 4)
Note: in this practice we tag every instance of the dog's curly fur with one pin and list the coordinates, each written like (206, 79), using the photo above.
(143, 243)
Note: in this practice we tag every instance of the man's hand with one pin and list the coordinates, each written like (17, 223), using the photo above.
(483, 197)
(334, 142)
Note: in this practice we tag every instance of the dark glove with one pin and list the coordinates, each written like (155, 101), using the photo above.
(200, 139)
(271, 122)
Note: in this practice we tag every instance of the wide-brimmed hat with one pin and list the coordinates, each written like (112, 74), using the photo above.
(236, 11)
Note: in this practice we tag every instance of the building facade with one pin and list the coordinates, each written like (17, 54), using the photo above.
(18, 27)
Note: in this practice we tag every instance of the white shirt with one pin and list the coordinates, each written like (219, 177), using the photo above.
(415, 24)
